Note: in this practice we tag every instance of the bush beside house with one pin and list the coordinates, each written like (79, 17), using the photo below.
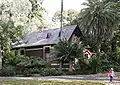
(18, 65)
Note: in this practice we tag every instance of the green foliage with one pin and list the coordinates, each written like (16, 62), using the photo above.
(90, 66)
(8, 70)
(34, 70)
(114, 60)
(13, 59)
(27, 13)
(31, 62)
(36, 9)
(100, 31)
(50, 72)
(96, 23)
(100, 64)
(65, 50)
(9, 33)
(22, 65)
(95, 64)
(69, 17)
(26, 66)
(38, 12)
(21, 60)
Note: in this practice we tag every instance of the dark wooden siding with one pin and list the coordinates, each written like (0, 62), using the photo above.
(37, 53)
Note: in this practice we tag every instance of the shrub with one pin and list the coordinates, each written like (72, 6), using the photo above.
(26, 72)
(49, 72)
(34, 70)
(22, 65)
(8, 70)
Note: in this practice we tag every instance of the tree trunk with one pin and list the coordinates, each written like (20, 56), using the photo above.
(70, 66)
(98, 49)
(0, 63)
(60, 66)
(0, 58)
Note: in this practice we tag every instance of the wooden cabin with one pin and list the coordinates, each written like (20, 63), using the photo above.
(40, 44)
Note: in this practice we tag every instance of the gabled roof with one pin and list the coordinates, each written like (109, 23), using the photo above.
(46, 37)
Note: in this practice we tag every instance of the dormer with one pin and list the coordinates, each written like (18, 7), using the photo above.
(48, 35)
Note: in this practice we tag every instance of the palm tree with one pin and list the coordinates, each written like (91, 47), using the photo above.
(65, 50)
(99, 20)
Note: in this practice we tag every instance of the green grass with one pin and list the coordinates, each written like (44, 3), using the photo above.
(41, 82)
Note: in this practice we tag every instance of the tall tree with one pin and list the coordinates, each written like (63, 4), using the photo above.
(9, 33)
(68, 17)
(27, 13)
(99, 20)
(36, 10)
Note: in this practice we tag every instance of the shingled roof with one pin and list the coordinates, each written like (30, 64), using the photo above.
(46, 37)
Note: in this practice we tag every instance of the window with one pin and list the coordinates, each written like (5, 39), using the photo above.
(22, 52)
(47, 50)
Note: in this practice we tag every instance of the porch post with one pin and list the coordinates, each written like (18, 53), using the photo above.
(44, 55)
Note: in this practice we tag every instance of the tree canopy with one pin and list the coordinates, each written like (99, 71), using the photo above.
(68, 51)
(99, 21)
(9, 33)
(68, 17)
(27, 13)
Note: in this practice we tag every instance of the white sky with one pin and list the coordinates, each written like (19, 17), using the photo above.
(54, 5)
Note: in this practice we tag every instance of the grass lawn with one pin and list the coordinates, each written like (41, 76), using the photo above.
(54, 82)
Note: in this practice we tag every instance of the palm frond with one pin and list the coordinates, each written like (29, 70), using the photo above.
(66, 50)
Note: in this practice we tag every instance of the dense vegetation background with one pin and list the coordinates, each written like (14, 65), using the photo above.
(99, 23)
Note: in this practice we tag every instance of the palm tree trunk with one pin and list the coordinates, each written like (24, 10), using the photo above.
(70, 65)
